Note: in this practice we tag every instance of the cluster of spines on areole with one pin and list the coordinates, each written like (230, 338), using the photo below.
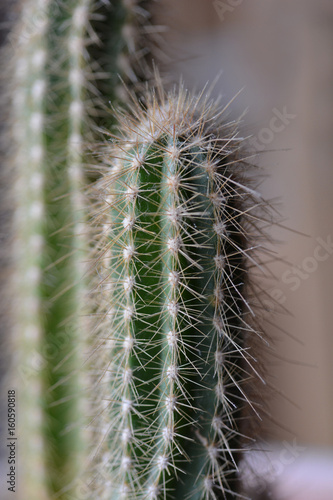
(28, 120)
(191, 202)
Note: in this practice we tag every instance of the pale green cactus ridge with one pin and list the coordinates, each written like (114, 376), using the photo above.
(175, 256)
(28, 88)
(184, 279)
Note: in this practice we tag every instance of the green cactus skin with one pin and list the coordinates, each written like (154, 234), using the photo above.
(53, 84)
(171, 359)
(62, 288)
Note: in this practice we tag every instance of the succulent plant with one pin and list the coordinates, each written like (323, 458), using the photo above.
(157, 251)
(172, 364)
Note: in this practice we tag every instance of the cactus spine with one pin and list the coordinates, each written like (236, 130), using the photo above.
(173, 236)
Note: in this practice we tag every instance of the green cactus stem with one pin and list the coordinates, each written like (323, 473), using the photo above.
(127, 44)
(48, 122)
(54, 94)
(28, 120)
(62, 287)
(171, 360)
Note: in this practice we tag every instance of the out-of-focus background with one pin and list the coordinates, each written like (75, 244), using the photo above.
(279, 54)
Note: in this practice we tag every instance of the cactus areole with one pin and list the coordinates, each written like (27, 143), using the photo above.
(171, 256)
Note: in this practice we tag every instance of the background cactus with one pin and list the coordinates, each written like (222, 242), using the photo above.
(54, 93)
(175, 220)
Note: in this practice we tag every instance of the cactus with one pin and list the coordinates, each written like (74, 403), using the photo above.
(53, 89)
(170, 236)
(171, 361)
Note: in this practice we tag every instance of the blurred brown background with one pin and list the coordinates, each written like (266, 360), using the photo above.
(280, 52)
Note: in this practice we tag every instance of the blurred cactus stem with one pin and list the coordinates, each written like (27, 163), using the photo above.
(175, 218)
(53, 92)
(28, 93)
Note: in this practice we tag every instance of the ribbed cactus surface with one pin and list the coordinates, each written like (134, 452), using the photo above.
(173, 231)
(28, 120)
(54, 96)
